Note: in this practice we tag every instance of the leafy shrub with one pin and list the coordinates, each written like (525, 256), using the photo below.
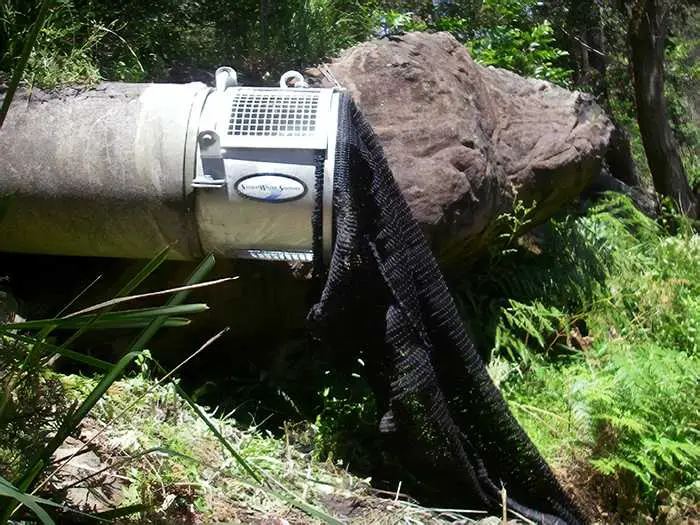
(682, 74)
(530, 52)
(509, 34)
(556, 270)
(622, 387)
(526, 327)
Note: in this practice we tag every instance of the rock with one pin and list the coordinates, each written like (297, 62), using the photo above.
(86, 479)
(464, 141)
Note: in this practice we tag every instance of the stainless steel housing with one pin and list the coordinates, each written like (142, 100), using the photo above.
(256, 156)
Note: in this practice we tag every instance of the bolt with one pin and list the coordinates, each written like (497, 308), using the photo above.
(207, 139)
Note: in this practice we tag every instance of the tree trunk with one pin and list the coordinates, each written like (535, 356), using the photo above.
(619, 153)
(647, 33)
(593, 58)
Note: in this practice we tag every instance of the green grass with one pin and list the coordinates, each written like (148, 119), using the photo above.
(156, 455)
(33, 413)
(164, 445)
(30, 448)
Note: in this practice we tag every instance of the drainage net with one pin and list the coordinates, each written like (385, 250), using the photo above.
(386, 298)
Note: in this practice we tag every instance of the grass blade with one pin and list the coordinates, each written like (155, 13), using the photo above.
(312, 511)
(102, 324)
(134, 282)
(77, 297)
(250, 469)
(140, 342)
(136, 347)
(10, 491)
(119, 300)
(65, 352)
(64, 461)
(145, 272)
(64, 509)
(26, 52)
(99, 391)
(145, 313)
(284, 493)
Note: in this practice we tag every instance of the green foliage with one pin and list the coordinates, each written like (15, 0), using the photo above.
(593, 321)
(636, 406)
(682, 75)
(8, 490)
(521, 277)
(528, 327)
(167, 443)
(511, 34)
(398, 21)
(460, 28)
(512, 37)
(354, 21)
(32, 407)
(88, 40)
(691, 163)
(603, 362)
(28, 47)
(64, 51)
(538, 398)
(345, 428)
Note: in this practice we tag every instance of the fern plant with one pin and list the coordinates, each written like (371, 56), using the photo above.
(599, 315)
(642, 423)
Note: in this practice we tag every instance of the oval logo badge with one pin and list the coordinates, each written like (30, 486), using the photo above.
(271, 187)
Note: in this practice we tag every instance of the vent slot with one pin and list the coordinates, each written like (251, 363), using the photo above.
(276, 255)
(270, 114)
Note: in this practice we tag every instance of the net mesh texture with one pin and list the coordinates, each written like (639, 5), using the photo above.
(385, 297)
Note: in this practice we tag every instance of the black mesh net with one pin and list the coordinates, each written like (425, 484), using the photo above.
(385, 296)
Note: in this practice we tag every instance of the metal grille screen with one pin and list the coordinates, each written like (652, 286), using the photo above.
(274, 114)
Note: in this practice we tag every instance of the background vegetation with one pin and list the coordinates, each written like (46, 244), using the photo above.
(591, 323)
